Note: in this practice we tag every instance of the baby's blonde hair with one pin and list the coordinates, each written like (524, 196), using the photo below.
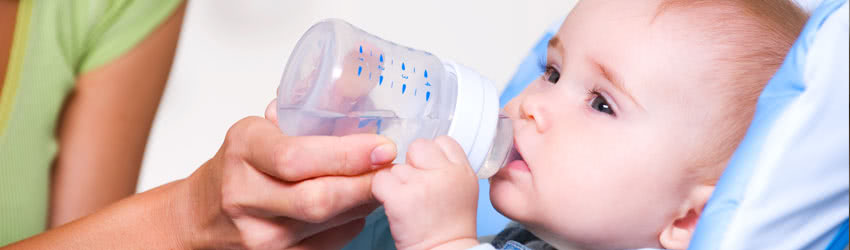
(754, 37)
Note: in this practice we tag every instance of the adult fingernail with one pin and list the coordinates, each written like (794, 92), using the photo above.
(384, 153)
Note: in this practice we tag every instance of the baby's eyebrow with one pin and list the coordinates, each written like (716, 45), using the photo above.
(615, 79)
(554, 42)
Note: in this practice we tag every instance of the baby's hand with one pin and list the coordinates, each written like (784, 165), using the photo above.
(430, 201)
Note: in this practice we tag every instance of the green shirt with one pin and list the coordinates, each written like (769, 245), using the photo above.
(55, 41)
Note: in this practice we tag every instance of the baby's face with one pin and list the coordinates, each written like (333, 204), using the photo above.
(609, 133)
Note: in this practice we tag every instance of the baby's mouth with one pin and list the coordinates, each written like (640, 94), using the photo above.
(504, 152)
(515, 155)
(515, 159)
(518, 155)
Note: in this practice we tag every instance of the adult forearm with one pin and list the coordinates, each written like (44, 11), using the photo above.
(150, 220)
(246, 196)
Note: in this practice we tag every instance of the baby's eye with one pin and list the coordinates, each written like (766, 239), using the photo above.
(599, 103)
(551, 74)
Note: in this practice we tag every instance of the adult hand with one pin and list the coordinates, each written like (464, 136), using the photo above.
(266, 190)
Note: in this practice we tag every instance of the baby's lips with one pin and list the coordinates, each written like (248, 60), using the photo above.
(514, 155)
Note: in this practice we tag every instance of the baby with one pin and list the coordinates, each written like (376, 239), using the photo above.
(622, 139)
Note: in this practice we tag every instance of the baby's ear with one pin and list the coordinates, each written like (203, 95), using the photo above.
(677, 235)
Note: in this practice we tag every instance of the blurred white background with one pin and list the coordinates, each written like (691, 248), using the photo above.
(231, 56)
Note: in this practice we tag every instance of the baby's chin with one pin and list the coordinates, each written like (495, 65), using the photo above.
(530, 220)
(571, 223)
(512, 198)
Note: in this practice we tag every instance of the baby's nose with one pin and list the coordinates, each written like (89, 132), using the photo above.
(534, 111)
(512, 109)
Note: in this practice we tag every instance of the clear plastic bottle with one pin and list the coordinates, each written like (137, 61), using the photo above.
(341, 80)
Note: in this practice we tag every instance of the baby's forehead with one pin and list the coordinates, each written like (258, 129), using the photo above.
(634, 21)
(629, 27)
(658, 58)
(611, 12)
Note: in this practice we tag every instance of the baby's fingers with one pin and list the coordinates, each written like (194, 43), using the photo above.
(384, 185)
(452, 150)
(426, 154)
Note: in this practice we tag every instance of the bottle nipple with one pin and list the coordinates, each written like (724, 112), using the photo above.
(501, 151)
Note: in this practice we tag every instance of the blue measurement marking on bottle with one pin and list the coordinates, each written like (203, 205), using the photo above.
(359, 70)
(414, 69)
(381, 58)
(426, 73)
(361, 49)
(380, 79)
(428, 84)
(403, 88)
(366, 120)
(363, 123)
(414, 91)
(402, 66)
(427, 96)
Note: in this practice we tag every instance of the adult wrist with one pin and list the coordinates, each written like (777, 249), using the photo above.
(197, 210)
(180, 216)
(159, 212)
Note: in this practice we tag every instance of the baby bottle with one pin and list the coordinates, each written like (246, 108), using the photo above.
(341, 80)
